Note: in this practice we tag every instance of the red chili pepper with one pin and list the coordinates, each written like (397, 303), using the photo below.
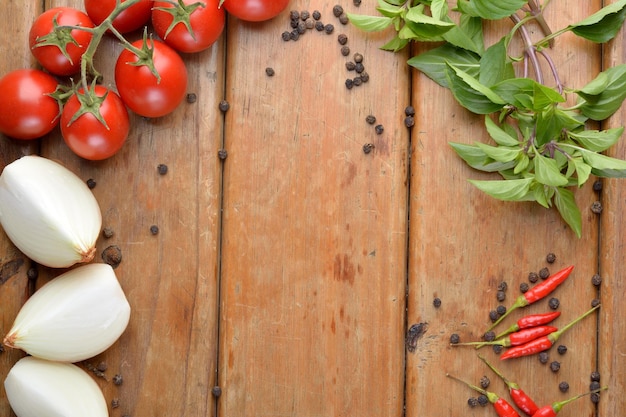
(542, 343)
(519, 397)
(502, 407)
(530, 321)
(517, 338)
(537, 292)
(552, 410)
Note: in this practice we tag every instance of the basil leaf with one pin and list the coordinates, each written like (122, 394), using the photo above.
(513, 89)
(395, 44)
(477, 159)
(424, 27)
(494, 10)
(468, 34)
(433, 63)
(598, 161)
(597, 140)
(609, 100)
(544, 96)
(499, 153)
(507, 190)
(370, 23)
(498, 135)
(566, 205)
(547, 172)
(603, 25)
(472, 95)
(389, 10)
(495, 65)
(583, 170)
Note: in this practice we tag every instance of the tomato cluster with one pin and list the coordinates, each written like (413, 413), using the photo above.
(150, 74)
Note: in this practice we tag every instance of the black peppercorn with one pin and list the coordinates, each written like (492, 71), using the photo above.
(555, 366)
(524, 287)
(366, 77)
(304, 15)
(107, 232)
(595, 376)
(550, 258)
(533, 277)
(370, 119)
(497, 349)
(594, 385)
(319, 26)
(554, 303)
(596, 280)
(379, 129)
(409, 121)
(359, 68)
(329, 28)
(597, 186)
(270, 71)
(409, 111)
(437, 302)
(32, 273)
(595, 302)
(117, 379)
(357, 81)
(493, 316)
(349, 83)
(222, 154)
(337, 10)
(309, 24)
(91, 183)
(595, 397)
(503, 286)
(501, 310)
(544, 273)
(294, 15)
(162, 169)
(596, 207)
(562, 349)
(455, 338)
(216, 391)
(500, 296)
(472, 401)
(192, 98)
(358, 58)
(368, 147)
(316, 15)
(294, 35)
(342, 39)
(115, 402)
(484, 382)
(356, 2)
(154, 229)
(301, 27)
(224, 106)
(345, 50)
(343, 19)
(483, 400)
(350, 66)
(489, 336)
(563, 386)
(543, 357)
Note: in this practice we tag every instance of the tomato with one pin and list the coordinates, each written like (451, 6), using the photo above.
(28, 112)
(50, 56)
(141, 90)
(130, 19)
(86, 136)
(207, 23)
(255, 10)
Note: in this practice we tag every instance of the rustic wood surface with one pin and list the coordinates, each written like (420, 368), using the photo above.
(289, 273)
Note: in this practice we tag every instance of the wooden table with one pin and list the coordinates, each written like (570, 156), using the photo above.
(289, 273)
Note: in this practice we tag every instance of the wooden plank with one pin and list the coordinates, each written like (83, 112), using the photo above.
(167, 356)
(314, 249)
(464, 243)
(612, 241)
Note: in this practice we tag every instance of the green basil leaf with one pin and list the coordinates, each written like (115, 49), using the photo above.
(468, 34)
(494, 10)
(596, 86)
(544, 96)
(499, 153)
(472, 95)
(511, 89)
(523, 161)
(507, 190)
(566, 205)
(547, 172)
(395, 44)
(597, 161)
(433, 63)
(603, 25)
(370, 23)
(389, 10)
(542, 194)
(601, 106)
(499, 135)
(424, 27)
(495, 65)
(597, 140)
(439, 9)
(477, 159)
(583, 170)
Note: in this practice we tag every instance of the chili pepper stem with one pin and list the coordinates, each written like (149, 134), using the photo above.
(520, 302)
(490, 395)
(555, 335)
(557, 406)
(508, 383)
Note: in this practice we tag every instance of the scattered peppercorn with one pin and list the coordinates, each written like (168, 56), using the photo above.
(497, 349)
(350, 66)
(595, 302)
(483, 400)
(550, 258)
(270, 71)
(555, 366)
(112, 255)
(117, 379)
(349, 83)
(596, 280)
(368, 147)
(544, 273)
(370, 119)
(500, 296)
(595, 397)
(154, 229)
(304, 15)
(596, 207)
(216, 391)
(342, 39)
(500, 310)
(357, 81)
(309, 24)
(437, 302)
(358, 58)
(503, 286)
(192, 98)
(543, 357)
(562, 349)
(489, 336)
(294, 15)
(294, 35)
(345, 50)
(91, 183)
(222, 154)
(597, 186)
(337, 10)
(484, 382)
(365, 76)
(533, 277)
(379, 129)
(455, 338)
(286, 36)
(472, 401)
(409, 121)
(409, 111)
(343, 19)
(356, 2)
(523, 287)
(319, 26)
(595, 376)
(359, 68)
(563, 386)
(329, 28)
(594, 385)
(162, 169)
(301, 27)
(316, 15)
(224, 106)
(115, 403)
(493, 316)
(554, 303)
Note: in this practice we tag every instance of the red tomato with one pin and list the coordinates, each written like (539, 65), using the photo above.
(207, 24)
(130, 19)
(86, 136)
(27, 111)
(144, 93)
(51, 56)
(255, 10)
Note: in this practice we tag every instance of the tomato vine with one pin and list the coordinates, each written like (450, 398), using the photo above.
(540, 146)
